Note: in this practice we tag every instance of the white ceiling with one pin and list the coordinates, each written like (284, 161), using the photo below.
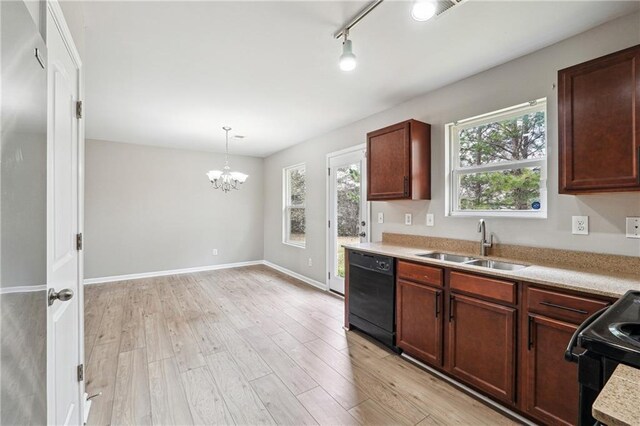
(173, 73)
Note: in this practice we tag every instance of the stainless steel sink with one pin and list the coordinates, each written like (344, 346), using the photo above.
(494, 264)
(448, 257)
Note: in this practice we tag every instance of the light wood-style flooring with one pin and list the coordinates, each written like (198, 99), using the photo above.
(249, 346)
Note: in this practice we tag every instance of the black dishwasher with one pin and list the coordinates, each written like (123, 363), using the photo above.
(372, 295)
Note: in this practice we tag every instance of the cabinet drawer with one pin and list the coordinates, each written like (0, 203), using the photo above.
(419, 273)
(484, 287)
(562, 306)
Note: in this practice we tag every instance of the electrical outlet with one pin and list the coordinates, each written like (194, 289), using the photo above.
(407, 218)
(633, 227)
(214, 252)
(429, 219)
(310, 262)
(380, 217)
(580, 225)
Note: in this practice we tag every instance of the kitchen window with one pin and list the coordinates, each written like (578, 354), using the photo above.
(294, 205)
(497, 163)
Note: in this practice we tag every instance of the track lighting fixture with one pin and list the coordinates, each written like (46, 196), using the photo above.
(421, 10)
(347, 59)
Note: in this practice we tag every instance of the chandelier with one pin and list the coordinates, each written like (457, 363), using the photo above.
(225, 179)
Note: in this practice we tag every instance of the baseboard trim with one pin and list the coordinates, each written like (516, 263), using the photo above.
(304, 279)
(115, 278)
(23, 289)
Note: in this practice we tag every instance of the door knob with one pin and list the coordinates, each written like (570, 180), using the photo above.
(62, 295)
(362, 234)
(363, 223)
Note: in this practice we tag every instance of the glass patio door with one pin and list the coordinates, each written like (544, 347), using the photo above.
(348, 210)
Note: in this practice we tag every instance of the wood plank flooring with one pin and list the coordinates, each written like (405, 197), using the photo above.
(249, 346)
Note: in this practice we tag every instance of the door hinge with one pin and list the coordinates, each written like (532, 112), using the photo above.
(329, 275)
(329, 223)
(81, 372)
(79, 109)
(79, 241)
(329, 171)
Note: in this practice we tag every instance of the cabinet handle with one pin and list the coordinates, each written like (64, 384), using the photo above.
(450, 307)
(406, 185)
(437, 304)
(566, 308)
(530, 333)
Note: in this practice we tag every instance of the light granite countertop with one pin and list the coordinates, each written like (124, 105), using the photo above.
(604, 284)
(619, 401)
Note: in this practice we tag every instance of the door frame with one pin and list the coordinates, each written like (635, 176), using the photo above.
(53, 7)
(328, 210)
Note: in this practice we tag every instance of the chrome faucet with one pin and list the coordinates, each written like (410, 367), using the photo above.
(484, 244)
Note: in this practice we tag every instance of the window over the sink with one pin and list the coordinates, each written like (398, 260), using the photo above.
(497, 163)
(294, 205)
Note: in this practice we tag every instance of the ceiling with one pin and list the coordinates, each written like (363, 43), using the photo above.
(173, 73)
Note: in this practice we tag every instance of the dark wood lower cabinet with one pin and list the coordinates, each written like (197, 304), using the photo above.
(419, 321)
(551, 393)
(506, 339)
(482, 340)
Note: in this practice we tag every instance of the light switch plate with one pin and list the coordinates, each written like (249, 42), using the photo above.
(407, 218)
(580, 225)
(214, 252)
(633, 227)
(429, 219)
(380, 217)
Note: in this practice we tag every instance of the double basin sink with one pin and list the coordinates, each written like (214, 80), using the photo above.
(485, 263)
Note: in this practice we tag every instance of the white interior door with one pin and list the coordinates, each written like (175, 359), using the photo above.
(64, 345)
(348, 210)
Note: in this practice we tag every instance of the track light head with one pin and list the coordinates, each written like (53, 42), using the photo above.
(423, 10)
(347, 59)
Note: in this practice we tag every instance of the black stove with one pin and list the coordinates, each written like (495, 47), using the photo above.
(608, 338)
(616, 333)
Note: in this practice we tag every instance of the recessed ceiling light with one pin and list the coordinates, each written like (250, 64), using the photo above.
(423, 10)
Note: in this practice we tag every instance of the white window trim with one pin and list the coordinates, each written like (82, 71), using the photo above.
(452, 155)
(285, 206)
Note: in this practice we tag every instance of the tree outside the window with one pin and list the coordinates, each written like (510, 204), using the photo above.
(348, 206)
(297, 191)
(520, 138)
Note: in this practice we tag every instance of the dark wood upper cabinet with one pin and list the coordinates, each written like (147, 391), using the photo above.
(598, 124)
(399, 162)
(419, 321)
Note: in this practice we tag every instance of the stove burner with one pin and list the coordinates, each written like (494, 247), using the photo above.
(627, 331)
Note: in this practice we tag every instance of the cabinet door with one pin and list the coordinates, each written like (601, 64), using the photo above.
(599, 115)
(389, 163)
(551, 393)
(482, 345)
(419, 321)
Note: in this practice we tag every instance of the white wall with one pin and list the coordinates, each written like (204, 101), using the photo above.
(530, 77)
(151, 209)
(74, 16)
